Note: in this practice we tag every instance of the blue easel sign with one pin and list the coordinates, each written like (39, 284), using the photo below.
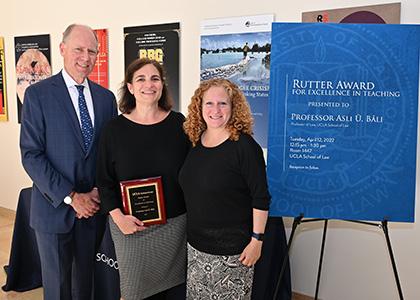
(343, 121)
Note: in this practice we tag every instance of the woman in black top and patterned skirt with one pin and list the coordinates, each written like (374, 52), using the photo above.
(226, 194)
(147, 140)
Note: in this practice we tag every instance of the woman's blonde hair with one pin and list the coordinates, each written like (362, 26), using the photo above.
(240, 121)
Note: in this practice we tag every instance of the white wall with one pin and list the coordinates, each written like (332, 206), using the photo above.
(356, 264)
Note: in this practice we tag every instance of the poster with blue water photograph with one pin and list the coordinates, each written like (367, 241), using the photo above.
(343, 121)
(238, 49)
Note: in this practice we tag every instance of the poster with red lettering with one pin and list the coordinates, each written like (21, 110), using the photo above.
(372, 14)
(100, 71)
(158, 42)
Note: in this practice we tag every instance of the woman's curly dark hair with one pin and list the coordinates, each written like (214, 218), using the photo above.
(127, 101)
(241, 120)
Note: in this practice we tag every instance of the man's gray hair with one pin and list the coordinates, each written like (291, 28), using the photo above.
(70, 28)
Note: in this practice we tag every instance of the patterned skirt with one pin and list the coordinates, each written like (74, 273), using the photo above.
(152, 260)
(217, 277)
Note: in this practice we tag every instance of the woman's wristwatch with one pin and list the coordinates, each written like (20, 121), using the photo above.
(258, 236)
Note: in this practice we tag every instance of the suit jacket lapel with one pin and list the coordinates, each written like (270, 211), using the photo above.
(61, 93)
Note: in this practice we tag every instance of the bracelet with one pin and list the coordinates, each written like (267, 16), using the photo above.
(258, 236)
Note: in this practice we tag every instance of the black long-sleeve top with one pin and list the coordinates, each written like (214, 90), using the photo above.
(128, 150)
(221, 186)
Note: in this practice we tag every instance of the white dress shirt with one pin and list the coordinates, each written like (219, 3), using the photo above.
(74, 95)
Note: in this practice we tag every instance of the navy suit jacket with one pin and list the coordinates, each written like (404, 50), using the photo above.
(52, 149)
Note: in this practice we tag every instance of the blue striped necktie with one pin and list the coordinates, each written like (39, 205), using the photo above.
(86, 122)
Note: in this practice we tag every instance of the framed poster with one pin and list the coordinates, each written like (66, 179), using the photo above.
(100, 73)
(343, 121)
(389, 13)
(238, 49)
(33, 63)
(159, 42)
(3, 94)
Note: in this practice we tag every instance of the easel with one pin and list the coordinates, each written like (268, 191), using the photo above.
(299, 220)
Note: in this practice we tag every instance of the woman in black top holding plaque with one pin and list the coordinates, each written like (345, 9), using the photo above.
(145, 141)
(225, 187)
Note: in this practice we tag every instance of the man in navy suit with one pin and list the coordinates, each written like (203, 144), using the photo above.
(60, 158)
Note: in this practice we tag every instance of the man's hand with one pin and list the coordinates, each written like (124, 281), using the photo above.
(86, 204)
